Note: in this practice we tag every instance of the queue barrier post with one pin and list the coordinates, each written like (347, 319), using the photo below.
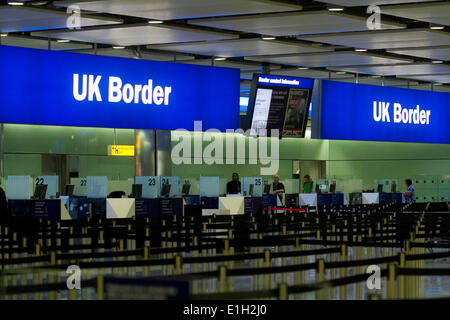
(392, 281)
(283, 291)
(222, 278)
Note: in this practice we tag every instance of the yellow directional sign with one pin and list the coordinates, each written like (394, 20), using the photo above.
(121, 150)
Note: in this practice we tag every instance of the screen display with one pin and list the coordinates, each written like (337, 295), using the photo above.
(278, 102)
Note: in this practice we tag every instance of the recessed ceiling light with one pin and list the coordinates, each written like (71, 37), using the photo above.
(220, 59)
(155, 21)
(360, 50)
(335, 9)
(118, 47)
(436, 26)
(437, 61)
(268, 38)
(62, 40)
(15, 3)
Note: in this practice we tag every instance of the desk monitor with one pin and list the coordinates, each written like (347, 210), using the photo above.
(317, 188)
(69, 189)
(333, 187)
(186, 188)
(40, 191)
(393, 187)
(250, 189)
(380, 188)
(165, 192)
(136, 191)
(267, 188)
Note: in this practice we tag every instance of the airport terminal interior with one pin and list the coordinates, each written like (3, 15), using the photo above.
(224, 149)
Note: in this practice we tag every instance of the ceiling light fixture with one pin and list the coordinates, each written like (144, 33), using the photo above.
(341, 72)
(437, 61)
(220, 59)
(155, 21)
(302, 68)
(3, 34)
(335, 9)
(118, 47)
(268, 38)
(15, 3)
(63, 40)
(360, 50)
(436, 26)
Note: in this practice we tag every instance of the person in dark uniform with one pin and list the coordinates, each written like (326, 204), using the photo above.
(3, 204)
(234, 186)
(278, 187)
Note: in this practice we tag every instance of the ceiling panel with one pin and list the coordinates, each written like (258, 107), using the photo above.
(355, 3)
(28, 42)
(314, 74)
(431, 12)
(133, 54)
(136, 34)
(442, 78)
(13, 19)
(436, 53)
(405, 69)
(241, 47)
(176, 9)
(385, 39)
(244, 66)
(293, 23)
(329, 59)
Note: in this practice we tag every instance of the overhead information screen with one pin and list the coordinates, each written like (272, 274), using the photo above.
(278, 102)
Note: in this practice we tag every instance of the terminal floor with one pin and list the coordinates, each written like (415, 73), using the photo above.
(429, 286)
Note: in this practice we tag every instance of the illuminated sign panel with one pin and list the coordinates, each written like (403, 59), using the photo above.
(347, 111)
(121, 150)
(69, 89)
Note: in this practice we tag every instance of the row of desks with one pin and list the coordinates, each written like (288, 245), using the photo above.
(325, 199)
(68, 208)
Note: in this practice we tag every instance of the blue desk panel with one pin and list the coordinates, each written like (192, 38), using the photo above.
(337, 199)
(270, 200)
(252, 204)
(147, 208)
(324, 199)
(46, 209)
(170, 207)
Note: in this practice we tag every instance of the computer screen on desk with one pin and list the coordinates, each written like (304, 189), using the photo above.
(40, 191)
(380, 188)
(186, 188)
(136, 191)
(333, 187)
(393, 187)
(165, 191)
(250, 190)
(69, 190)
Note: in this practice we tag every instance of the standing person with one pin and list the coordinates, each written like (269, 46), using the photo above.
(278, 187)
(308, 184)
(3, 204)
(234, 186)
(410, 193)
